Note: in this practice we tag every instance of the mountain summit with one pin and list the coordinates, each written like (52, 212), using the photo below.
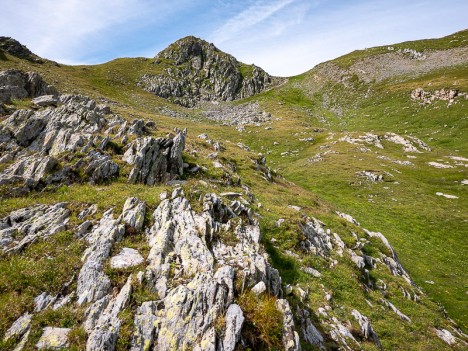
(193, 70)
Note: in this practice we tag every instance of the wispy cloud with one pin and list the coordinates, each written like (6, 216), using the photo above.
(70, 31)
(284, 37)
(253, 15)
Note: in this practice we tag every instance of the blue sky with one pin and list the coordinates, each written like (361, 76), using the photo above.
(285, 37)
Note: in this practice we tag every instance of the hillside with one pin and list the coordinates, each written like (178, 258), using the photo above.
(326, 211)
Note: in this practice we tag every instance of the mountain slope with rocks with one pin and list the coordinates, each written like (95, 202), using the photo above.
(288, 220)
(195, 70)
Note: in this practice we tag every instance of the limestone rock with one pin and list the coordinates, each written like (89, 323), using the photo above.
(259, 288)
(446, 336)
(200, 71)
(392, 262)
(234, 321)
(155, 160)
(133, 213)
(290, 336)
(45, 100)
(126, 258)
(309, 331)
(19, 328)
(36, 140)
(43, 301)
(16, 84)
(53, 339)
(28, 170)
(366, 328)
(24, 226)
(317, 240)
(396, 310)
(146, 325)
(100, 168)
(93, 283)
(106, 331)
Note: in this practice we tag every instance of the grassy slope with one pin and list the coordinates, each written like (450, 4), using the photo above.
(423, 232)
(428, 231)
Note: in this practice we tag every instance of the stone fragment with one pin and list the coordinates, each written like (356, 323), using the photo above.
(106, 330)
(93, 283)
(156, 160)
(146, 326)
(24, 226)
(366, 328)
(313, 272)
(53, 339)
(43, 301)
(259, 288)
(133, 213)
(20, 327)
(446, 336)
(234, 320)
(45, 100)
(126, 258)
(396, 310)
(290, 336)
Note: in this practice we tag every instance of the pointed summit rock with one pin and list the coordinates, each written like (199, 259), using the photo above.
(194, 70)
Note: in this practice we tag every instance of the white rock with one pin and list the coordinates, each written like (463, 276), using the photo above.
(439, 165)
(290, 336)
(133, 213)
(126, 258)
(446, 195)
(234, 321)
(259, 288)
(295, 208)
(19, 327)
(53, 339)
(313, 272)
(446, 336)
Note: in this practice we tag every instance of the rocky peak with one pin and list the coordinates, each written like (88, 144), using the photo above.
(194, 70)
(15, 48)
(187, 49)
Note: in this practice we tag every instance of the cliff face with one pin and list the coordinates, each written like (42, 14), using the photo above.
(196, 70)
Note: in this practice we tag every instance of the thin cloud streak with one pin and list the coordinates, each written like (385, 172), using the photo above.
(253, 15)
(327, 32)
(285, 37)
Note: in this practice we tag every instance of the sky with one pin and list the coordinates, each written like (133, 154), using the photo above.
(285, 37)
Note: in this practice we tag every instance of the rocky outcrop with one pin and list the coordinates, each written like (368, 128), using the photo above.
(16, 84)
(34, 142)
(156, 160)
(367, 331)
(53, 339)
(195, 70)
(188, 242)
(104, 334)
(427, 97)
(15, 48)
(93, 283)
(24, 226)
(290, 336)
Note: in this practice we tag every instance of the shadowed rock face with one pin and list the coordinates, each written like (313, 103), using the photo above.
(16, 84)
(15, 48)
(199, 71)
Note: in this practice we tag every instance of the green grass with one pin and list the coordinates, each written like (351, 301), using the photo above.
(427, 231)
